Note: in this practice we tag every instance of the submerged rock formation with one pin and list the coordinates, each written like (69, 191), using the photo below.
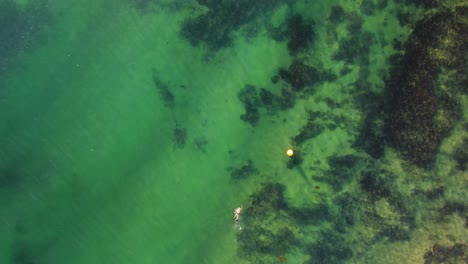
(420, 107)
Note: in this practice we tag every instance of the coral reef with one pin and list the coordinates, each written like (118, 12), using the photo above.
(418, 114)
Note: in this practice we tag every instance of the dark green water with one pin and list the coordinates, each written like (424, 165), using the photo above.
(132, 129)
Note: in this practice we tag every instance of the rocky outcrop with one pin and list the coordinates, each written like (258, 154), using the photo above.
(420, 105)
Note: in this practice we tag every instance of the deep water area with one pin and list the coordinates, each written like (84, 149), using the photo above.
(233, 131)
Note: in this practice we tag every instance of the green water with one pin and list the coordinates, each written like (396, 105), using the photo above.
(90, 169)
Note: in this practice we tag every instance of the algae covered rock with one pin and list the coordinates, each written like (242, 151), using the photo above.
(420, 106)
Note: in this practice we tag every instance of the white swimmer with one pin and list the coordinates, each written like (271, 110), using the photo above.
(237, 213)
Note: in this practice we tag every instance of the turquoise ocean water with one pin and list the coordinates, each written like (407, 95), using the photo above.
(130, 131)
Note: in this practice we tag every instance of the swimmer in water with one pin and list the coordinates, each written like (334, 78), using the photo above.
(237, 213)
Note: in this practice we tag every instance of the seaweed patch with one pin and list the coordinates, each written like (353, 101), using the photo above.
(245, 171)
(179, 137)
(166, 95)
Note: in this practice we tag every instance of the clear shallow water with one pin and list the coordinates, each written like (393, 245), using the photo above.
(120, 139)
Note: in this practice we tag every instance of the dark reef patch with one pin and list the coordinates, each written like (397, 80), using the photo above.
(457, 253)
(300, 80)
(420, 3)
(255, 242)
(354, 23)
(251, 101)
(297, 31)
(295, 160)
(310, 216)
(337, 15)
(153, 6)
(342, 170)
(166, 95)
(461, 155)
(260, 239)
(271, 225)
(418, 113)
(404, 18)
(214, 29)
(396, 233)
(431, 194)
(330, 248)
(299, 75)
(371, 136)
(201, 143)
(299, 34)
(268, 200)
(310, 130)
(244, 172)
(355, 48)
(450, 208)
(347, 205)
(179, 137)
(374, 185)
(368, 7)
(254, 101)
(274, 103)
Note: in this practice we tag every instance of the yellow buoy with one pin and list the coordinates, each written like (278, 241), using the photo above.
(290, 152)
